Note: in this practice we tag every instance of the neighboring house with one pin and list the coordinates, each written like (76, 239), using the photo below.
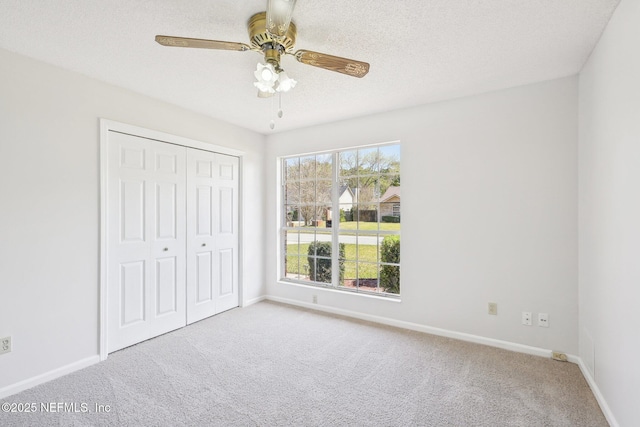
(390, 202)
(347, 197)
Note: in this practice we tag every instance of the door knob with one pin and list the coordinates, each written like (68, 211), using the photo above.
(204, 244)
(165, 249)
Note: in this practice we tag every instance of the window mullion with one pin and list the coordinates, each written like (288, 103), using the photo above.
(335, 223)
(283, 222)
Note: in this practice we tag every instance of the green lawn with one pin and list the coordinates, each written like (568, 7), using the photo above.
(368, 253)
(354, 225)
(370, 226)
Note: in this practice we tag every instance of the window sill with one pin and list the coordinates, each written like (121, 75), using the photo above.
(384, 297)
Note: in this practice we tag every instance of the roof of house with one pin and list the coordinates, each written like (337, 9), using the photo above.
(390, 193)
(343, 189)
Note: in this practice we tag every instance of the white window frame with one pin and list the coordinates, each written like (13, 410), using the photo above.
(335, 230)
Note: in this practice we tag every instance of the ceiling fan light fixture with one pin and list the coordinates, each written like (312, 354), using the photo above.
(285, 83)
(266, 74)
(279, 14)
(264, 88)
(263, 94)
(274, 35)
(266, 77)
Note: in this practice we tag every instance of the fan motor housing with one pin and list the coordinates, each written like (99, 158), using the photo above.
(259, 36)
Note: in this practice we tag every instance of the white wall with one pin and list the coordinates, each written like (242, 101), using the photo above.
(49, 206)
(489, 204)
(609, 171)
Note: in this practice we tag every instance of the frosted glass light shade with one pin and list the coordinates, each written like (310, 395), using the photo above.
(285, 83)
(266, 77)
(279, 14)
(266, 74)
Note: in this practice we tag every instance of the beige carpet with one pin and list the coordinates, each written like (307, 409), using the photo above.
(272, 364)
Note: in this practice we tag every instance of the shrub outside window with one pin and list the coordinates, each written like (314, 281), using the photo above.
(341, 219)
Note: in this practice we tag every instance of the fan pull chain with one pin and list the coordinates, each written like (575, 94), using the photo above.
(272, 123)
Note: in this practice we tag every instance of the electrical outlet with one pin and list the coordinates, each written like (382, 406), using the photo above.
(314, 298)
(556, 355)
(526, 318)
(493, 308)
(543, 320)
(5, 345)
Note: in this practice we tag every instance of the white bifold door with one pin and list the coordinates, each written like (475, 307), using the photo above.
(172, 237)
(212, 242)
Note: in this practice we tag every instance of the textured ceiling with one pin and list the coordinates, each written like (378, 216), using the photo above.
(420, 51)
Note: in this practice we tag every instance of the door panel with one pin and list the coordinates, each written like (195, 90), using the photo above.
(132, 157)
(226, 272)
(166, 210)
(132, 219)
(204, 211)
(200, 235)
(226, 172)
(226, 211)
(226, 236)
(172, 231)
(132, 291)
(168, 301)
(166, 286)
(204, 168)
(212, 183)
(146, 192)
(204, 280)
(167, 163)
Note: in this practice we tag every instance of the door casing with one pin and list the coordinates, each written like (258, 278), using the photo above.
(107, 126)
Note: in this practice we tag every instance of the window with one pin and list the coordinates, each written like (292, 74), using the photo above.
(341, 219)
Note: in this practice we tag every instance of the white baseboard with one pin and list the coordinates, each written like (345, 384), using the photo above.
(598, 394)
(253, 301)
(72, 367)
(506, 345)
(48, 376)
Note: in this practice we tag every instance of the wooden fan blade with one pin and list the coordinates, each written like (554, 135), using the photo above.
(346, 66)
(200, 43)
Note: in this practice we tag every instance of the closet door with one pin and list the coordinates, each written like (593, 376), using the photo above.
(146, 193)
(212, 234)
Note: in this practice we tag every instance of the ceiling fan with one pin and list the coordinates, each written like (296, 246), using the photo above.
(272, 34)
